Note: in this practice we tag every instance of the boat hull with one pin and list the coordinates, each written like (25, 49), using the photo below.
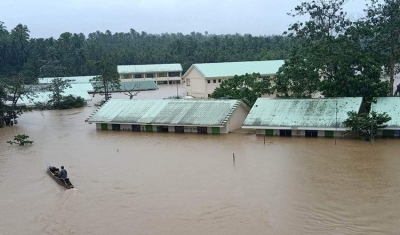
(63, 182)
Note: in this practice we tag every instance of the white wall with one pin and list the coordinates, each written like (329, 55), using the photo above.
(237, 118)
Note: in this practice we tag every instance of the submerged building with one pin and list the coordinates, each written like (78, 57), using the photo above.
(389, 105)
(158, 73)
(170, 115)
(202, 79)
(301, 117)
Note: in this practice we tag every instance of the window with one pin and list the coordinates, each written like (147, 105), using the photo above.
(311, 133)
(138, 75)
(126, 76)
(201, 130)
(162, 128)
(188, 82)
(179, 129)
(208, 81)
(116, 127)
(287, 133)
(149, 75)
(162, 75)
(214, 81)
(174, 74)
(219, 80)
(135, 127)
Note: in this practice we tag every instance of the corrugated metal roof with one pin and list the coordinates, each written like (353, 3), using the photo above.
(165, 112)
(299, 113)
(77, 79)
(230, 69)
(43, 97)
(138, 85)
(149, 68)
(390, 105)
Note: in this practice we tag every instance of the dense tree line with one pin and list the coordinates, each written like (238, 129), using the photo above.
(78, 54)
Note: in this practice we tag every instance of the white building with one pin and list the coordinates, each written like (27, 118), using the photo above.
(159, 73)
(202, 79)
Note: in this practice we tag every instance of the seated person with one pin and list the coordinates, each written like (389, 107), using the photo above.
(63, 173)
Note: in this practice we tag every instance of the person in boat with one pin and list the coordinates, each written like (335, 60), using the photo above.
(63, 173)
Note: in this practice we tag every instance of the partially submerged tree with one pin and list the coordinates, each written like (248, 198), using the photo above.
(21, 140)
(367, 125)
(248, 88)
(12, 90)
(57, 87)
(107, 82)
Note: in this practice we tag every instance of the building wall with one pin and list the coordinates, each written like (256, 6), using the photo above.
(301, 133)
(237, 118)
(200, 87)
(157, 77)
(195, 84)
(154, 128)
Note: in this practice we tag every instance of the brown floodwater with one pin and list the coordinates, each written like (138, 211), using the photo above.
(168, 184)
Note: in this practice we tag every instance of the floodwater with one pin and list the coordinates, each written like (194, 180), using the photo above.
(168, 184)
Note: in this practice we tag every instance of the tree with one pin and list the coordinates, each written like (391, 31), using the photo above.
(248, 88)
(11, 91)
(57, 87)
(366, 125)
(107, 82)
(383, 20)
(330, 56)
(21, 140)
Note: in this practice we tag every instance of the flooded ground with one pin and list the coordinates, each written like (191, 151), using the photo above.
(167, 183)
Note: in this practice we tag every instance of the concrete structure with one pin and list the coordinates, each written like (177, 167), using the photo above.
(159, 73)
(202, 79)
(389, 105)
(75, 79)
(301, 117)
(170, 115)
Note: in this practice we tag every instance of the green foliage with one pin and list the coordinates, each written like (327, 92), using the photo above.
(107, 82)
(21, 140)
(382, 25)
(332, 56)
(248, 88)
(366, 125)
(57, 87)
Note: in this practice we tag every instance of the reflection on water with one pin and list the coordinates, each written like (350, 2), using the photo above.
(167, 183)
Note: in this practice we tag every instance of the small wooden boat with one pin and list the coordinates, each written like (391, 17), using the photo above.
(52, 171)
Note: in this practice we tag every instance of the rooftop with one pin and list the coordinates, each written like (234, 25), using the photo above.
(149, 68)
(301, 113)
(390, 105)
(230, 69)
(165, 111)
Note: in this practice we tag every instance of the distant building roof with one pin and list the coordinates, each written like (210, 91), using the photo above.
(230, 69)
(166, 112)
(149, 68)
(138, 86)
(301, 113)
(390, 105)
(77, 79)
(43, 97)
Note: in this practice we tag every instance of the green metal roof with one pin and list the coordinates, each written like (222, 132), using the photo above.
(390, 105)
(44, 97)
(165, 112)
(230, 69)
(77, 79)
(149, 68)
(301, 113)
(138, 85)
